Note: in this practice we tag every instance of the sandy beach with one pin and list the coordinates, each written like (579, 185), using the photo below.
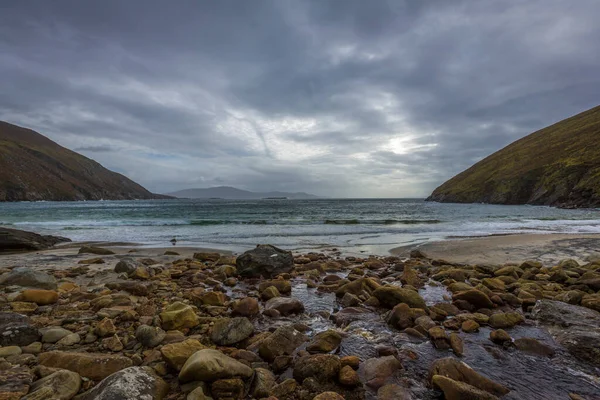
(546, 248)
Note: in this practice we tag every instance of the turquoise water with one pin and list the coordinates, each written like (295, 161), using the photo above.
(371, 225)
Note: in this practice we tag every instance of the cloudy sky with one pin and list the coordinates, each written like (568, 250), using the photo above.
(338, 98)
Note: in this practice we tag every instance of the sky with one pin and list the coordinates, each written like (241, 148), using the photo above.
(340, 98)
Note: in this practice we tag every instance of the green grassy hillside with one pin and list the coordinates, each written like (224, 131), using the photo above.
(32, 167)
(558, 165)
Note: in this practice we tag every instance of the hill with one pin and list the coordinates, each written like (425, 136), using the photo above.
(231, 193)
(33, 167)
(558, 166)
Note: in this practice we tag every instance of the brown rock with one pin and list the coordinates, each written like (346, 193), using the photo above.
(247, 307)
(456, 390)
(105, 328)
(176, 354)
(348, 376)
(38, 296)
(95, 366)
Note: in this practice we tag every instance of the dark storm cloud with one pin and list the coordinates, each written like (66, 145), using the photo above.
(341, 98)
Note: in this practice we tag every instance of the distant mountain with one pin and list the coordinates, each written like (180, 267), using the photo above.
(33, 167)
(231, 193)
(558, 165)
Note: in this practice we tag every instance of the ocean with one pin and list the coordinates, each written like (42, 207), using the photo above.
(359, 225)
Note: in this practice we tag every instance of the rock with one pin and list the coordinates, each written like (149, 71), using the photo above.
(455, 390)
(149, 336)
(500, 336)
(263, 383)
(574, 327)
(106, 327)
(198, 394)
(23, 307)
(269, 293)
(132, 383)
(533, 346)
(213, 299)
(352, 361)
(475, 297)
(69, 340)
(209, 365)
(178, 316)
(95, 366)
(390, 296)
(439, 338)
(458, 371)
(14, 382)
(228, 331)
(228, 389)
(28, 277)
(393, 392)
(456, 344)
(246, 307)
(99, 251)
(505, 320)
(322, 367)
(470, 326)
(127, 266)
(376, 371)
(95, 260)
(40, 297)
(348, 377)
(284, 389)
(53, 334)
(112, 343)
(134, 288)
(328, 396)
(285, 305)
(350, 300)
(33, 348)
(207, 257)
(60, 385)
(10, 351)
(401, 317)
(324, 342)
(591, 301)
(266, 261)
(176, 354)
(284, 341)
(14, 240)
(282, 285)
(16, 330)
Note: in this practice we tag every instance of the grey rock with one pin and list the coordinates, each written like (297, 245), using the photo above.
(127, 265)
(133, 383)
(14, 240)
(264, 260)
(16, 330)
(149, 336)
(53, 334)
(209, 365)
(285, 305)
(60, 385)
(28, 277)
(228, 331)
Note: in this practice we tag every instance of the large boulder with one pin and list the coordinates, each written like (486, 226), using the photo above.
(16, 330)
(228, 331)
(209, 365)
(389, 296)
(95, 366)
(264, 260)
(574, 327)
(14, 240)
(284, 341)
(28, 277)
(129, 384)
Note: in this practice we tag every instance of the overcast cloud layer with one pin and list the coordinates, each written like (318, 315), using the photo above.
(338, 98)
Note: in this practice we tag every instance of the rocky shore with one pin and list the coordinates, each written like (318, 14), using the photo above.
(269, 324)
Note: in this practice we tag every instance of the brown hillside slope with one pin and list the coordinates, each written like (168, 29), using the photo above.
(32, 167)
(558, 165)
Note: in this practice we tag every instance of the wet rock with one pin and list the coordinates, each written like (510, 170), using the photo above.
(228, 331)
(149, 336)
(285, 305)
(284, 389)
(28, 277)
(127, 266)
(393, 392)
(284, 341)
(533, 346)
(246, 307)
(209, 365)
(132, 383)
(324, 342)
(16, 330)
(266, 261)
(322, 367)
(263, 383)
(574, 327)
(359, 287)
(228, 389)
(376, 371)
(505, 320)
(348, 377)
(456, 390)
(60, 385)
(349, 300)
(95, 366)
(458, 371)
(352, 361)
(390, 296)
(475, 297)
(40, 297)
(178, 316)
(99, 251)
(500, 336)
(216, 299)
(401, 317)
(269, 293)
(439, 338)
(470, 326)
(176, 354)
(456, 344)
(282, 286)
(53, 334)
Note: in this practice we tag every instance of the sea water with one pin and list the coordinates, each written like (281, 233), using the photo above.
(365, 225)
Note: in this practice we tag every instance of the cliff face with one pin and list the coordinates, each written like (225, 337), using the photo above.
(558, 166)
(32, 167)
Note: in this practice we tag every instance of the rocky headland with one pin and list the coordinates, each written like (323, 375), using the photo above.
(104, 323)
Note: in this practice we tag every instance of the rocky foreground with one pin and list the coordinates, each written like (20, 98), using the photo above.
(270, 325)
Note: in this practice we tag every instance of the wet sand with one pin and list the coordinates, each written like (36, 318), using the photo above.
(547, 248)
